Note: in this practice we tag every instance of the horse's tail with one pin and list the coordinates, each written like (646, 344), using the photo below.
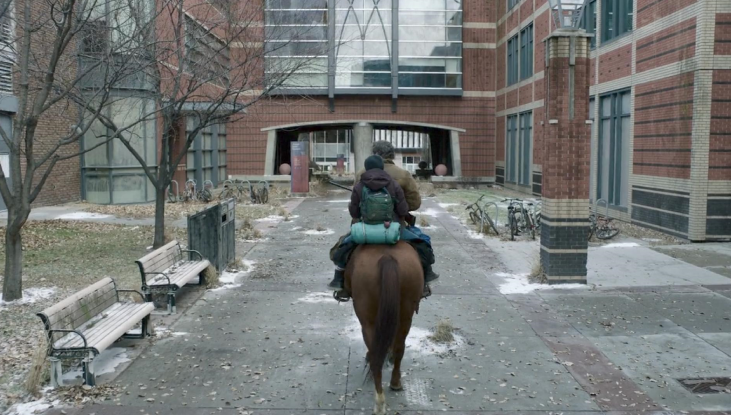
(388, 312)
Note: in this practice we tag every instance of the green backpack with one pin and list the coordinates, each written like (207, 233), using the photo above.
(376, 206)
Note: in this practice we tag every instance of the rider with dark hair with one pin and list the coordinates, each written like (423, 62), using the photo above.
(340, 253)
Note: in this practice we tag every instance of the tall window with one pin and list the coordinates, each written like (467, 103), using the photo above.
(588, 21)
(616, 18)
(526, 52)
(613, 147)
(206, 158)
(512, 3)
(111, 174)
(7, 54)
(206, 56)
(328, 145)
(362, 45)
(519, 148)
(512, 60)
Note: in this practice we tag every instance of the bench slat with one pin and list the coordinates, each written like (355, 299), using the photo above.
(185, 272)
(121, 317)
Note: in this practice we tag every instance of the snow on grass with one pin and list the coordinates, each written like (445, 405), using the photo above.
(296, 228)
(475, 235)
(82, 216)
(339, 201)
(519, 284)
(316, 232)
(104, 363)
(30, 296)
(271, 218)
(446, 205)
(621, 245)
(429, 212)
(319, 297)
(33, 407)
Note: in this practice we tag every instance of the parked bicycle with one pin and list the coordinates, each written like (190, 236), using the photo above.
(480, 217)
(205, 195)
(519, 219)
(601, 226)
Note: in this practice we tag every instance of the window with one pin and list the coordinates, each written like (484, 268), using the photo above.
(616, 18)
(111, 174)
(206, 56)
(513, 60)
(526, 52)
(410, 163)
(588, 20)
(429, 44)
(613, 147)
(512, 3)
(519, 146)
(7, 55)
(206, 158)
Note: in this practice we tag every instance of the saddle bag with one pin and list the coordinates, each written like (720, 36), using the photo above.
(375, 234)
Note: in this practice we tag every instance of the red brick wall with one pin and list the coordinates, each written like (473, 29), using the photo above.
(247, 143)
(673, 44)
(663, 127)
(615, 64)
(650, 10)
(719, 158)
(526, 94)
(723, 34)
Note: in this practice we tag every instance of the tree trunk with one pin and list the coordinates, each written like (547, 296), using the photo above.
(159, 216)
(13, 282)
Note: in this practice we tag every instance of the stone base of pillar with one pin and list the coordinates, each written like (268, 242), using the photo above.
(564, 243)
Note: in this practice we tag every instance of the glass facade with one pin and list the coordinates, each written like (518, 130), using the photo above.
(206, 158)
(352, 44)
(111, 174)
(613, 148)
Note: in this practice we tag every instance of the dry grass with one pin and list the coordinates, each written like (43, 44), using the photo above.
(172, 210)
(211, 277)
(536, 274)
(423, 222)
(426, 189)
(443, 332)
(320, 228)
(38, 372)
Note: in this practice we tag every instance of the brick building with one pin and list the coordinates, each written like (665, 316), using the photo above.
(470, 75)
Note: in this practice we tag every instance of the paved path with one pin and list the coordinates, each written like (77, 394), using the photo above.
(279, 344)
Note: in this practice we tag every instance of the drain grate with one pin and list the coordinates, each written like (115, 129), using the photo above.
(707, 385)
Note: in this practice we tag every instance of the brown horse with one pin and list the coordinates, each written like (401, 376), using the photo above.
(385, 298)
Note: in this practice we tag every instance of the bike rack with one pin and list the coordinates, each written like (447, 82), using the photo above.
(497, 214)
(192, 193)
(207, 184)
(264, 186)
(596, 207)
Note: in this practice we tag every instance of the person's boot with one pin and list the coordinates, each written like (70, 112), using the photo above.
(338, 280)
(429, 274)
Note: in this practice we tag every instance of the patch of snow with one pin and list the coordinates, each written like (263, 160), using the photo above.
(225, 287)
(651, 240)
(271, 218)
(446, 205)
(316, 232)
(519, 284)
(104, 363)
(621, 245)
(296, 228)
(30, 296)
(432, 227)
(339, 201)
(321, 297)
(33, 407)
(429, 212)
(418, 340)
(82, 216)
(164, 331)
(475, 235)
(229, 277)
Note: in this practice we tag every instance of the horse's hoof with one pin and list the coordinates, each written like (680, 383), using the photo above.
(397, 388)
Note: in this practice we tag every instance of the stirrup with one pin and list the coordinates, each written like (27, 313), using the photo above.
(427, 291)
(341, 296)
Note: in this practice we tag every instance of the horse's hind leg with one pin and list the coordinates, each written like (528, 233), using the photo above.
(399, 344)
(380, 407)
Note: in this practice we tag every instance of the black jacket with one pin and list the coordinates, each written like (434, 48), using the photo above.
(376, 179)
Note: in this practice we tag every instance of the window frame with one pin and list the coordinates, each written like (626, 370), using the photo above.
(525, 60)
(619, 26)
(512, 60)
(618, 146)
(588, 21)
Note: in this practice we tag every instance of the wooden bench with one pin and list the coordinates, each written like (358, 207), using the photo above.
(88, 322)
(165, 271)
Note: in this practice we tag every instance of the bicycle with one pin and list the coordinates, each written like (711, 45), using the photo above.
(204, 195)
(532, 219)
(189, 193)
(479, 215)
(173, 197)
(601, 226)
(518, 218)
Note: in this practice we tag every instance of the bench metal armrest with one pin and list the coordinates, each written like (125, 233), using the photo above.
(132, 291)
(159, 273)
(193, 251)
(78, 333)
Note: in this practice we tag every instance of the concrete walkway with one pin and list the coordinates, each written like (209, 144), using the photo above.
(279, 344)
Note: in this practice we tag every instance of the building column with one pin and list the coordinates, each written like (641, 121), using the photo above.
(456, 156)
(271, 153)
(362, 143)
(566, 152)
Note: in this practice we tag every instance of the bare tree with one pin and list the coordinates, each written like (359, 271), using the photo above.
(40, 43)
(207, 67)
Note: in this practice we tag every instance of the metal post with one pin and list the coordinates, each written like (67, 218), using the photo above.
(56, 372)
(88, 369)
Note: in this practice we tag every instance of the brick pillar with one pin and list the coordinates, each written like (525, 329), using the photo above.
(566, 155)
